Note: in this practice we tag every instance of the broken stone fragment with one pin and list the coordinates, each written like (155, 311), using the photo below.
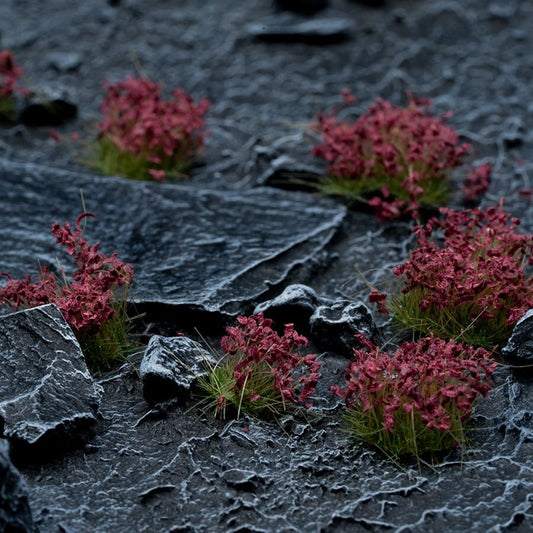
(63, 61)
(315, 31)
(15, 513)
(519, 348)
(334, 326)
(48, 399)
(51, 106)
(294, 305)
(171, 367)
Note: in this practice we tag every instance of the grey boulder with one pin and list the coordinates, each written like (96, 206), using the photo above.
(334, 326)
(48, 399)
(519, 348)
(294, 305)
(171, 367)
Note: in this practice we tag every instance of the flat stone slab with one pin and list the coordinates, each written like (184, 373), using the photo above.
(47, 395)
(211, 250)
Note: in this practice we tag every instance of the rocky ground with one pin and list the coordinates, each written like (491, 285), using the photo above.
(225, 240)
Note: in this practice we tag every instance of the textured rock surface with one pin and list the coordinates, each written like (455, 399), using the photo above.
(519, 349)
(47, 396)
(171, 366)
(294, 305)
(317, 31)
(15, 513)
(334, 326)
(201, 248)
(162, 470)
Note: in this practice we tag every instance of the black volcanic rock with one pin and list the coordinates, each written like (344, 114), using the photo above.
(334, 326)
(294, 305)
(171, 367)
(15, 512)
(519, 348)
(47, 397)
(50, 106)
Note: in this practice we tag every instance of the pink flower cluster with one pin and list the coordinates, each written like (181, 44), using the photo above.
(476, 183)
(256, 343)
(10, 72)
(481, 264)
(166, 133)
(431, 379)
(396, 152)
(86, 302)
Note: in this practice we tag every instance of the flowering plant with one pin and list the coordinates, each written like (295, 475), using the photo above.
(90, 303)
(417, 400)
(475, 286)
(143, 136)
(476, 183)
(10, 72)
(261, 372)
(396, 159)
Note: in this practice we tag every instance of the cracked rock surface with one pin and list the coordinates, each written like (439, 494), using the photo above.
(15, 514)
(201, 248)
(46, 392)
(221, 244)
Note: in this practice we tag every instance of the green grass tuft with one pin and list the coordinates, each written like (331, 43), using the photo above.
(219, 388)
(456, 322)
(109, 159)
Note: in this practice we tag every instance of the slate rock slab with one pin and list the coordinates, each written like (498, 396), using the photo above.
(212, 250)
(519, 348)
(171, 367)
(47, 396)
(15, 513)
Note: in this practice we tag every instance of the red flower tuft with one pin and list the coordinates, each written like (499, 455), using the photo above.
(402, 147)
(257, 344)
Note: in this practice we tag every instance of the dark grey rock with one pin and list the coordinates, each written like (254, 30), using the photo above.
(519, 348)
(47, 397)
(50, 106)
(171, 366)
(287, 173)
(64, 61)
(236, 478)
(15, 512)
(448, 23)
(294, 305)
(514, 132)
(305, 7)
(333, 326)
(314, 31)
(202, 249)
